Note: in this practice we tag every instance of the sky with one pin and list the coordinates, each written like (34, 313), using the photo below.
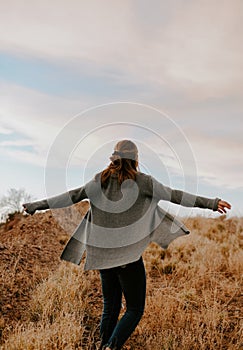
(76, 76)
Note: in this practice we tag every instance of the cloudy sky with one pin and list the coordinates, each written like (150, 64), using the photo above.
(78, 75)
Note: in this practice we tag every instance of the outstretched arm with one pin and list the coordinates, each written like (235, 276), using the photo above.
(186, 199)
(61, 201)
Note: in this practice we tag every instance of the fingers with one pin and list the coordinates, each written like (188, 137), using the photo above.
(222, 205)
(27, 210)
(225, 204)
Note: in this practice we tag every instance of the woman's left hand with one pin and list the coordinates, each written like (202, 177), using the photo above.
(222, 205)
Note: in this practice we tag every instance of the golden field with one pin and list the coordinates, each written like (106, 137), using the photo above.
(194, 289)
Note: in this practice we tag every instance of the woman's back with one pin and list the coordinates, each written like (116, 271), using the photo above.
(119, 205)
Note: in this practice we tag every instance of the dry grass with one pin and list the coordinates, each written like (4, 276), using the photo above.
(60, 315)
(194, 298)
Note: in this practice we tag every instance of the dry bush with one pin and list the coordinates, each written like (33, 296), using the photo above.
(194, 298)
(61, 313)
(197, 301)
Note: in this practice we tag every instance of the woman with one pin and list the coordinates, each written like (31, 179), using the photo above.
(124, 217)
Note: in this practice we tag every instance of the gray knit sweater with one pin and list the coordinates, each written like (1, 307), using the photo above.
(122, 219)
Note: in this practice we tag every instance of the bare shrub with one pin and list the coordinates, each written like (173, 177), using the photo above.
(12, 202)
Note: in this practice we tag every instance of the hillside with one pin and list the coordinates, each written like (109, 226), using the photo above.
(194, 298)
(30, 247)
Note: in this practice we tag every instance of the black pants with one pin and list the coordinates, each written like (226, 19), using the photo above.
(131, 281)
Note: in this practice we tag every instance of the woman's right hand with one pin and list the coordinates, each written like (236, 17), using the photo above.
(222, 205)
(27, 208)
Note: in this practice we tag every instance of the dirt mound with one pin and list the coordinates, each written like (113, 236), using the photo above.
(30, 249)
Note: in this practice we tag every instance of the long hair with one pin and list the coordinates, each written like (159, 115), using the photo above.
(124, 163)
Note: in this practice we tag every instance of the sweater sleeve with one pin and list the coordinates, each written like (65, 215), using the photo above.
(60, 201)
(161, 192)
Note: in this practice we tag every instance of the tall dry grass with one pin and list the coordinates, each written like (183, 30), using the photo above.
(194, 298)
